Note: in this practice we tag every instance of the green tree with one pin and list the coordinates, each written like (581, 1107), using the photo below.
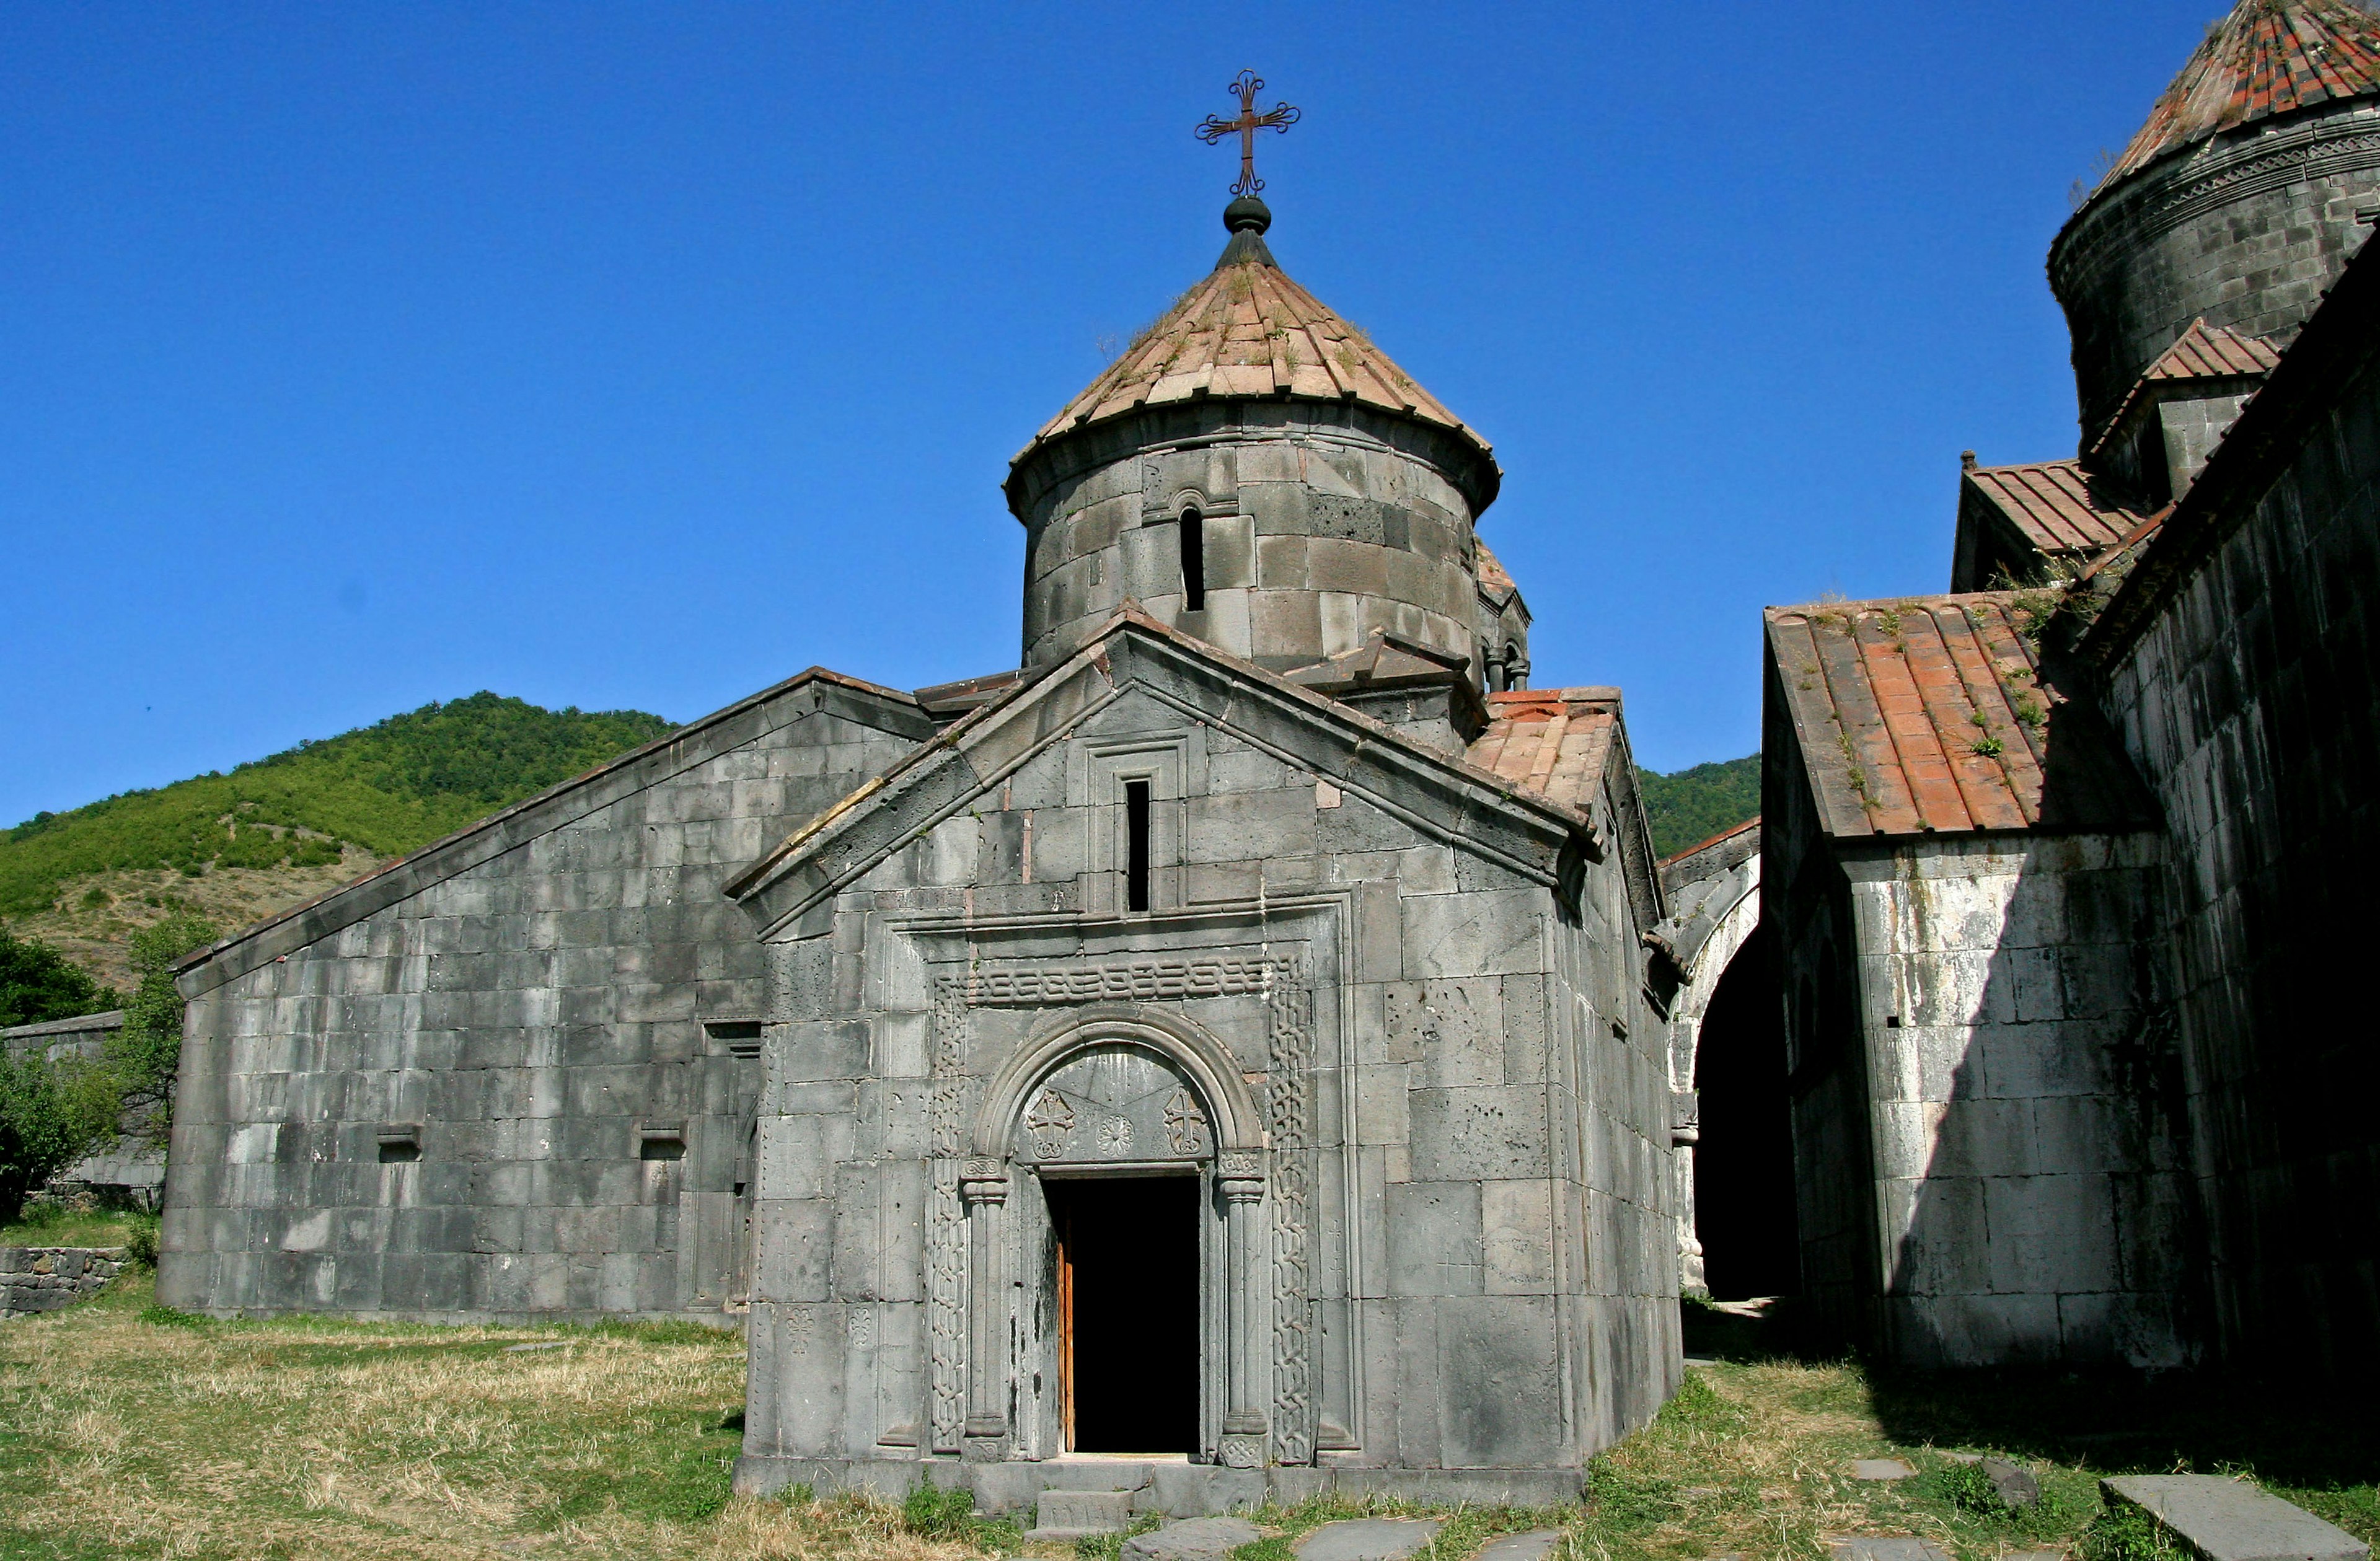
(38, 983)
(143, 1058)
(51, 1114)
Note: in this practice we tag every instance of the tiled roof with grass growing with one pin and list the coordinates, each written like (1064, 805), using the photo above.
(1934, 715)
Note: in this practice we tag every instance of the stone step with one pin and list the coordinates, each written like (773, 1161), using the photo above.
(2231, 1520)
(1065, 1515)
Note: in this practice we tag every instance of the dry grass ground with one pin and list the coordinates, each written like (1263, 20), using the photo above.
(125, 1432)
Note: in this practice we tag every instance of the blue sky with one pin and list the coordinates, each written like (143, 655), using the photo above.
(356, 357)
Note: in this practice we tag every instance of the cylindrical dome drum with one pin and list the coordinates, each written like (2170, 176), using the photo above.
(1255, 473)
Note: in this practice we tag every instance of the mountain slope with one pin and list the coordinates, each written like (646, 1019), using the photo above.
(239, 846)
(1693, 805)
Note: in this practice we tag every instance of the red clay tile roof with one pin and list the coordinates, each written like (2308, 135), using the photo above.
(1492, 577)
(1247, 330)
(2266, 57)
(2053, 504)
(2202, 352)
(1550, 741)
(1890, 701)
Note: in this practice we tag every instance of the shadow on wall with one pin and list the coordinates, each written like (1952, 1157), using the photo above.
(2026, 1102)
(1744, 1162)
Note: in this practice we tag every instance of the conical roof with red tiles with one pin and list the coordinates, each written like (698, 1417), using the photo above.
(2266, 57)
(1248, 331)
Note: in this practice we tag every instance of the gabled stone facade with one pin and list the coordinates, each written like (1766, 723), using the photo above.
(1393, 997)
(513, 1075)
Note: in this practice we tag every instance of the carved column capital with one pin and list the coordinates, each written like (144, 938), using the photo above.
(984, 1180)
(1240, 1175)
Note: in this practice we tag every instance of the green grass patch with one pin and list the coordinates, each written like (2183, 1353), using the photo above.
(52, 1224)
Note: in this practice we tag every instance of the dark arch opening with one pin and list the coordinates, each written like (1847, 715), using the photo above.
(1744, 1163)
(1193, 562)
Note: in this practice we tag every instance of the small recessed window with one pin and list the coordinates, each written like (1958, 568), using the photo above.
(740, 1038)
(400, 1143)
(660, 1144)
(1193, 562)
(1135, 845)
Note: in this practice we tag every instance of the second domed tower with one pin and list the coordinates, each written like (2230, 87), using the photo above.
(1254, 471)
(2238, 201)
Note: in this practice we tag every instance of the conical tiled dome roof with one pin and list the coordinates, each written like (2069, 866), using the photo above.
(1248, 331)
(2266, 57)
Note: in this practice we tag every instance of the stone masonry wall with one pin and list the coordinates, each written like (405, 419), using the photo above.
(519, 1090)
(45, 1278)
(1484, 1223)
(2252, 703)
(2024, 1105)
(2246, 229)
(1320, 524)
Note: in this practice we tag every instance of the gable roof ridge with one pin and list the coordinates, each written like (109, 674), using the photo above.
(434, 863)
(1094, 652)
(2200, 352)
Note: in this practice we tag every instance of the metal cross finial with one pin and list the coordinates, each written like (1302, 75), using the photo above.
(1281, 116)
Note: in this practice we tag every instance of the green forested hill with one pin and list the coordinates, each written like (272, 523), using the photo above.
(1693, 805)
(387, 788)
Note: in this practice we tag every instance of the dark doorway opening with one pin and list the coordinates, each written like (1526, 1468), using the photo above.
(1743, 1164)
(1127, 1252)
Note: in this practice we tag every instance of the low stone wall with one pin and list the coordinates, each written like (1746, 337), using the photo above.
(45, 1278)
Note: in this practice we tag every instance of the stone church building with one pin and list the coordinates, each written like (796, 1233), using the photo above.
(1226, 1036)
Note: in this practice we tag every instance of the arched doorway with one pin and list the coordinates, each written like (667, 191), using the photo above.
(1120, 1144)
(1744, 1163)
(1135, 1158)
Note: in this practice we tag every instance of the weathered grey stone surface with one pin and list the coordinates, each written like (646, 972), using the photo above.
(1875, 1547)
(2239, 669)
(1366, 1539)
(2015, 1487)
(1061, 1516)
(1442, 1087)
(2224, 1520)
(1882, 1468)
(554, 1019)
(46, 1278)
(1534, 1545)
(1193, 1539)
(1321, 524)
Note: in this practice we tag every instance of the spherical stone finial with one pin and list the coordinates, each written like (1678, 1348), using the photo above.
(1247, 214)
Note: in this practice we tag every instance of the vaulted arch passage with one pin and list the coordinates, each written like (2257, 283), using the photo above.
(1744, 1163)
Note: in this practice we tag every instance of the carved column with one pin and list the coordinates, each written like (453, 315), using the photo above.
(1239, 1176)
(984, 1185)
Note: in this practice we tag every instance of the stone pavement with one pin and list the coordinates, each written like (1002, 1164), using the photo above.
(1193, 1539)
(2231, 1520)
(1367, 1539)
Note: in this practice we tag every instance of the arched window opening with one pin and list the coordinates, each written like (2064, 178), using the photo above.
(1193, 562)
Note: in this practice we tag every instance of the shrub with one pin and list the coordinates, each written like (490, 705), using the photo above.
(51, 1114)
(1969, 1489)
(38, 983)
(145, 1054)
(140, 1240)
(936, 1514)
(2124, 1533)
